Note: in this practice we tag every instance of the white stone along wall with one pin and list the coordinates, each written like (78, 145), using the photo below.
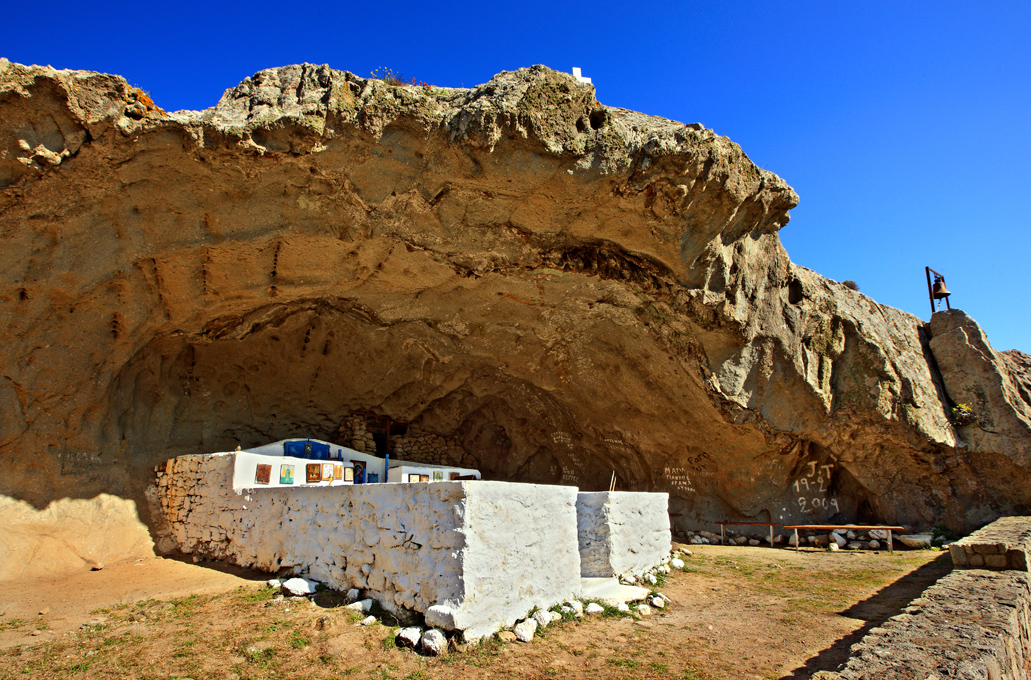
(622, 532)
(480, 554)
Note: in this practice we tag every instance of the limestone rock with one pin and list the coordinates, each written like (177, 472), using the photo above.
(507, 636)
(677, 563)
(874, 544)
(543, 617)
(657, 602)
(434, 642)
(300, 587)
(915, 540)
(525, 630)
(594, 608)
(362, 606)
(476, 262)
(368, 621)
(408, 637)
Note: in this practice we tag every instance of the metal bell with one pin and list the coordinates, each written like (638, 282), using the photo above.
(940, 292)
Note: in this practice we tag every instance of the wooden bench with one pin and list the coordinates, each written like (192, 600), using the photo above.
(747, 524)
(850, 527)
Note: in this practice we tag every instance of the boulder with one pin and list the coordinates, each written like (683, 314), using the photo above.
(915, 540)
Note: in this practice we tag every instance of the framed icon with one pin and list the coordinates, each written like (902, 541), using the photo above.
(286, 474)
(338, 471)
(413, 478)
(454, 475)
(327, 472)
(313, 473)
(424, 478)
(438, 475)
(359, 471)
(262, 474)
(349, 474)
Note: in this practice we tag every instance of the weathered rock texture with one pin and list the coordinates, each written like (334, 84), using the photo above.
(482, 554)
(562, 288)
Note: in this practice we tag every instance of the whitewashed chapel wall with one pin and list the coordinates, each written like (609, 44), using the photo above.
(622, 532)
(483, 553)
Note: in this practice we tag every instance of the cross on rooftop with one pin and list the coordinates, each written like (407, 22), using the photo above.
(578, 76)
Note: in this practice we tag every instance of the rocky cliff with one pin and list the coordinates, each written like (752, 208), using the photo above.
(565, 289)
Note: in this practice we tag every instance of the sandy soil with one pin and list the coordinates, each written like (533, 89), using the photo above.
(737, 612)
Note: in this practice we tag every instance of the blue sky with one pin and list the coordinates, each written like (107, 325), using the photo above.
(905, 127)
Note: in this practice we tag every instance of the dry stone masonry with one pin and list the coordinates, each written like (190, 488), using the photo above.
(1003, 544)
(973, 624)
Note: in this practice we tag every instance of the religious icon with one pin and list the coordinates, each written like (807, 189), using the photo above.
(327, 472)
(413, 478)
(338, 471)
(349, 474)
(262, 474)
(424, 478)
(313, 473)
(359, 471)
(286, 474)
(438, 475)
(455, 475)
(372, 478)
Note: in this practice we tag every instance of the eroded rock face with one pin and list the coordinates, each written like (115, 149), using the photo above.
(568, 289)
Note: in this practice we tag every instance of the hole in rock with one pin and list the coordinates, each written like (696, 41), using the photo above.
(598, 119)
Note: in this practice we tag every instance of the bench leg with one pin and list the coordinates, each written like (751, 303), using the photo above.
(890, 551)
(771, 536)
(796, 540)
(722, 542)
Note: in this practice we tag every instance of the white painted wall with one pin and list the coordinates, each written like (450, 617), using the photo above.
(622, 532)
(399, 472)
(483, 554)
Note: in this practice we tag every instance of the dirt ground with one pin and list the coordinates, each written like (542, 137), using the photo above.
(736, 612)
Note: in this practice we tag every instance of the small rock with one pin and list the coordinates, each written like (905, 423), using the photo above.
(361, 606)
(507, 636)
(879, 534)
(434, 642)
(833, 546)
(275, 583)
(97, 566)
(739, 540)
(753, 542)
(44, 611)
(524, 631)
(299, 587)
(663, 569)
(594, 608)
(685, 552)
(695, 540)
(855, 545)
(367, 621)
(791, 540)
(851, 535)
(542, 617)
(576, 605)
(838, 538)
(657, 602)
(874, 544)
(650, 578)
(916, 540)
(440, 616)
(567, 611)
(644, 610)
(353, 595)
(623, 607)
(677, 563)
(408, 637)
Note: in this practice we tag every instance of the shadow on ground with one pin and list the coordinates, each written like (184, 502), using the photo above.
(875, 610)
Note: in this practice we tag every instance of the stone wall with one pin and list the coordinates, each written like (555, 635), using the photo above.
(481, 554)
(971, 624)
(621, 532)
